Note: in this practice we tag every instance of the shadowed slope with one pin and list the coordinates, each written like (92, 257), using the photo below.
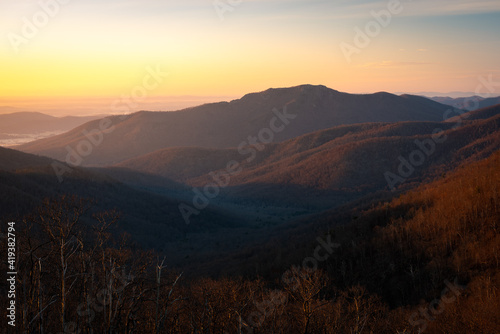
(227, 124)
(152, 219)
(331, 166)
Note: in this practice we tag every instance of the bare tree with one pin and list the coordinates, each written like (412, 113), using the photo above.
(58, 219)
(304, 287)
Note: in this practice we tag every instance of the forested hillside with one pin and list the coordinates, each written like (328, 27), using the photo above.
(426, 261)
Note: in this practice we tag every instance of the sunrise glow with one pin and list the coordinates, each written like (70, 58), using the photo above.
(95, 49)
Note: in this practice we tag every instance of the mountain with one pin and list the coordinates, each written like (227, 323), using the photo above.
(333, 166)
(152, 219)
(471, 102)
(483, 113)
(454, 94)
(275, 114)
(21, 127)
(443, 231)
(33, 122)
(12, 160)
(457, 193)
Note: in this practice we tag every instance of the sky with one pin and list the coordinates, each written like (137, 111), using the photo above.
(94, 56)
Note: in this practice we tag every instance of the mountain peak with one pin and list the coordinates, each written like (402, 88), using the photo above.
(294, 90)
(225, 125)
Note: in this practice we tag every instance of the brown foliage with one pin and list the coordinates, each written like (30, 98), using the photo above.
(395, 263)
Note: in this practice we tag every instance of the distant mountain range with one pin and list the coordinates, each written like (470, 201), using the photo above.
(468, 103)
(292, 112)
(323, 149)
(454, 94)
(21, 127)
(328, 167)
(301, 176)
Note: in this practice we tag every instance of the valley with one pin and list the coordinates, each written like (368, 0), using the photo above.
(199, 203)
(250, 167)
(255, 210)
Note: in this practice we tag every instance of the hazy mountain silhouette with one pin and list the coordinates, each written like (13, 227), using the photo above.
(483, 113)
(469, 103)
(227, 124)
(286, 181)
(32, 122)
(22, 127)
(328, 167)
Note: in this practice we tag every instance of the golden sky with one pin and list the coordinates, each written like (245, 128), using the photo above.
(92, 52)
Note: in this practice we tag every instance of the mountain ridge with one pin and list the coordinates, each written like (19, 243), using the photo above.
(22, 127)
(322, 167)
(227, 124)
